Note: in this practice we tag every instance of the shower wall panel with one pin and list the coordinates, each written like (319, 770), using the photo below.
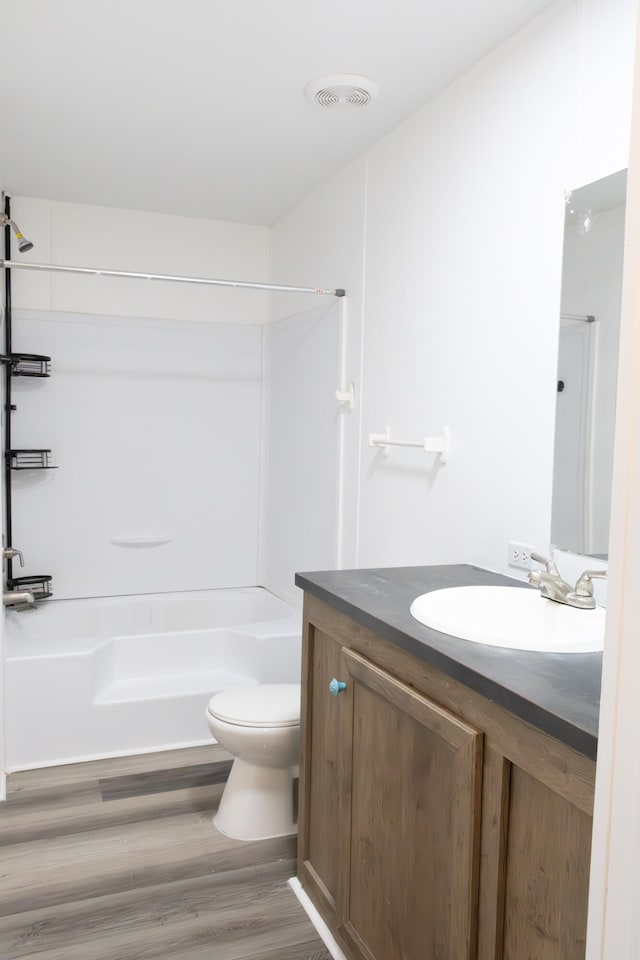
(155, 429)
(303, 447)
(83, 235)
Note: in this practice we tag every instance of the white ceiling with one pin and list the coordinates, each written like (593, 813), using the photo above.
(197, 107)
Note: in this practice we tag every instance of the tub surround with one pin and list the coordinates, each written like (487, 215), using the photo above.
(558, 694)
(436, 819)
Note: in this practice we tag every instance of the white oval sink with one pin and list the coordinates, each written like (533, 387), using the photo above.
(511, 617)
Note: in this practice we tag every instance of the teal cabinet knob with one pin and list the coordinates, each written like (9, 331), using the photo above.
(337, 686)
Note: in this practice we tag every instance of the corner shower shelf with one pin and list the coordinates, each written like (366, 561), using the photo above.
(40, 586)
(28, 364)
(30, 460)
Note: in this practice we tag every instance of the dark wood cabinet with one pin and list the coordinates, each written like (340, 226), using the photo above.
(324, 795)
(432, 822)
(408, 758)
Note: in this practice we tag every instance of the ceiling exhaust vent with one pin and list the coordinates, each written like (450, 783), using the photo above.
(342, 91)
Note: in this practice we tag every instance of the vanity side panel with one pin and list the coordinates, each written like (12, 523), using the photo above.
(547, 874)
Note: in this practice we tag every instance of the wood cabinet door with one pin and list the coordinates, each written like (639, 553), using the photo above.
(410, 889)
(324, 795)
(546, 879)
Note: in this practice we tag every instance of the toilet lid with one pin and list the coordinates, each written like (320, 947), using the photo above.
(265, 705)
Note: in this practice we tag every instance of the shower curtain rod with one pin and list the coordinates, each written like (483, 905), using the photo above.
(582, 317)
(24, 265)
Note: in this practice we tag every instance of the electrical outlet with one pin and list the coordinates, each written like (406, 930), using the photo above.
(520, 555)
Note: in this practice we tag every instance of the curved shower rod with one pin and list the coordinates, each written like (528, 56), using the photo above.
(93, 271)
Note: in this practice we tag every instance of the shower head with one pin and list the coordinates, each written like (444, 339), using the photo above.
(23, 243)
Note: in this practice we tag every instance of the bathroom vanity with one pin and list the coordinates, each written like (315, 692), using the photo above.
(446, 792)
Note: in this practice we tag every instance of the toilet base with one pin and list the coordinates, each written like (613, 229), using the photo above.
(257, 802)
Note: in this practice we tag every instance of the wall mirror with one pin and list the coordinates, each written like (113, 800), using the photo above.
(588, 365)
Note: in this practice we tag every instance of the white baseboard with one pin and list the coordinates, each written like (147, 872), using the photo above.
(320, 926)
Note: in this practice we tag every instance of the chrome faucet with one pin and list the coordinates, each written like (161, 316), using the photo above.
(9, 553)
(549, 581)
(18, 598)
(553, 587)
(583, 593)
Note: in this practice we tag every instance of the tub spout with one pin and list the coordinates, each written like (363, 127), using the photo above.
(18, 598)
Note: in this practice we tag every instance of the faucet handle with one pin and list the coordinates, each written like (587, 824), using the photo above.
(10, 552)
(584, 586)
(549, 565)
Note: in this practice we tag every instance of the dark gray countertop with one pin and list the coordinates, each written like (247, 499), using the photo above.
(558, 693)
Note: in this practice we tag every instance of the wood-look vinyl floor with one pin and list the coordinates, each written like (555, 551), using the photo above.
(118, 860)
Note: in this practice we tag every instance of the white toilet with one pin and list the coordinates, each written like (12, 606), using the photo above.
(260, 726)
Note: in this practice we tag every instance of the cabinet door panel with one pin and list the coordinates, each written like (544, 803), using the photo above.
(415, 812)
(324, 795)
(547, 874)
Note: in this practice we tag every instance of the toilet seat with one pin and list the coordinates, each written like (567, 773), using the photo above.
(265, 705)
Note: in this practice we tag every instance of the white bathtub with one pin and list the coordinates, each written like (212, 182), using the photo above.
(108, 677)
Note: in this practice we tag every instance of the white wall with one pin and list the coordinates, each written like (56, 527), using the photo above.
(459, 275)
(312, 484)
(614, 920)
(153, 409)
